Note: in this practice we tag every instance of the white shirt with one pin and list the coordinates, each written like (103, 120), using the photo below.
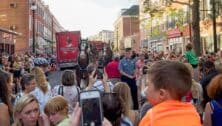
(98, 85)
(41, 97)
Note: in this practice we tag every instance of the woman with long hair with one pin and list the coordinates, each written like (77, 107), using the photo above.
(43, 89)
(68, 89)
(113, 110)
(5, 103)
(123, 91)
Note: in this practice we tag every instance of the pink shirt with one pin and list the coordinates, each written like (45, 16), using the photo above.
(139, 66)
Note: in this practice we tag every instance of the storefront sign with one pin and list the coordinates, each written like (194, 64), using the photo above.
(174, 33)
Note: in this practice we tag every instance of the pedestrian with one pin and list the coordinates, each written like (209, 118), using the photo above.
(213, 109)
(209, 72)
(98, 79)
(123, 91)
(26, 112)
(112, 70)
(140, 63)
(168, 82)
(195, 96)
(127, 70)
(191, 56)
(57, 111)
(43, 89)
(5, 104)
(68, 89)
(113, 110)
(28, 84)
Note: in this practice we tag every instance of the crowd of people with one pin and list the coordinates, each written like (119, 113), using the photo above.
(137, 89)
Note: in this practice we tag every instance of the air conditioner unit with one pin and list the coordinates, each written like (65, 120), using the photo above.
(13, 27)
(13, 5)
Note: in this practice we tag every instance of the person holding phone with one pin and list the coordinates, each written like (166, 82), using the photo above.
(102, 84)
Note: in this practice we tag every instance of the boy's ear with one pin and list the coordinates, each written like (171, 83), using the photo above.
(164, 94)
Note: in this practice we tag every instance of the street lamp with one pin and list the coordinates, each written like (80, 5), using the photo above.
(33, 8)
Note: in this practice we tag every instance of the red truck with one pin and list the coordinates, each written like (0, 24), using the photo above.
(67, 48)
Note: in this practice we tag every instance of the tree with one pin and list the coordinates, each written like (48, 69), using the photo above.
(195, 18)
(196, 27)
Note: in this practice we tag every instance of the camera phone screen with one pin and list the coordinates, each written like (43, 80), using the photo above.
(91, 112)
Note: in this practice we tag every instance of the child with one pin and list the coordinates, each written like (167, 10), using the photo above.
(168, 82)
(57, 111)
(191, 56)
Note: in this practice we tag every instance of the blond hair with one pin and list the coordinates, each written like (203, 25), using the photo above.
(20, 105)
(123, 91)
(56, 104)
(40, 78)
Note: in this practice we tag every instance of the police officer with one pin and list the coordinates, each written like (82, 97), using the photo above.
(127, 71)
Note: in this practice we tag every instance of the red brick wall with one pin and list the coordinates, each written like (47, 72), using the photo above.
(19, 17)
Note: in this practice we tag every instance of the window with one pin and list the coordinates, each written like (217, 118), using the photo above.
(13, 5)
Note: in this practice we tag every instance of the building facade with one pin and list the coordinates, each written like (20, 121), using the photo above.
(126, 29)
(106, 36)
(17, 15)
(171, 30)
(7, 41)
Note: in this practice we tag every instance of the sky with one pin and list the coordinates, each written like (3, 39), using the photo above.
(88, 16)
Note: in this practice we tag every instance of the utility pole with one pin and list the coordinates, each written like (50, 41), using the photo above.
(33, 8)
(214, 25)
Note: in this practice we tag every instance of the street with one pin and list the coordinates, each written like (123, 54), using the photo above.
(55, 77)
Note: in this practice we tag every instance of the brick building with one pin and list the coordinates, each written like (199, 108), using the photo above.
(126, 29)
(17, 15)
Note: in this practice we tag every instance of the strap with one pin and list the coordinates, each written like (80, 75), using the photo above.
(124, 122)
(136, 118)
(60, 90)
(78, 92)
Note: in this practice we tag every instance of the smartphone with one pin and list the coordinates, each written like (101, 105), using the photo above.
(91, 104)
(99, 73)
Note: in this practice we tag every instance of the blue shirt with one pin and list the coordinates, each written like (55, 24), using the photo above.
(217, 112)
(127, 66)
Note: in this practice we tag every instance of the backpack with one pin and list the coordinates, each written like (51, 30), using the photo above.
(61, 92)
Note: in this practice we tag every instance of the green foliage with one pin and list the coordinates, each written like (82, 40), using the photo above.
(179, 17)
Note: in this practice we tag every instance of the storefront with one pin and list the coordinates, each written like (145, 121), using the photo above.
(156, 43)
(175, 40)
(7, 41)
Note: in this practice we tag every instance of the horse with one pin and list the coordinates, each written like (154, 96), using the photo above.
(106, 57)
(83, 61)
(93, 54)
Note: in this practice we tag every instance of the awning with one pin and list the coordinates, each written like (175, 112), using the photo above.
(9, 31)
